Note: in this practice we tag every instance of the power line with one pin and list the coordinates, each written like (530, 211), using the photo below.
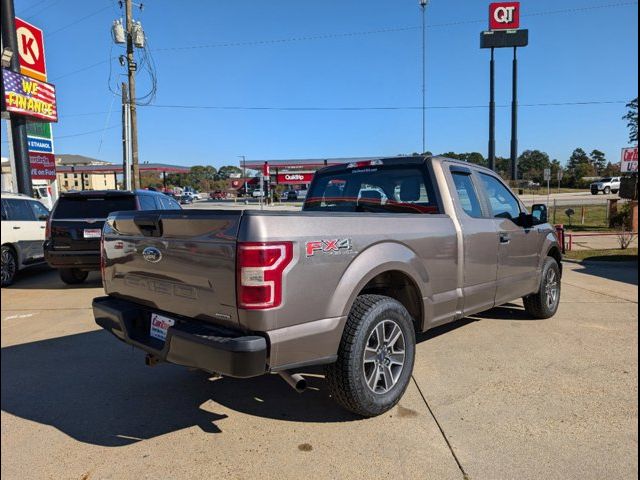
(380, 108)
(79, 20)
(381, 30)
(354, 34)
(58, 137)
(82, 69)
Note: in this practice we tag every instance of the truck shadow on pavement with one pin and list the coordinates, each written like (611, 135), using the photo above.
(99, 391)
(625, 272)
(43, 277)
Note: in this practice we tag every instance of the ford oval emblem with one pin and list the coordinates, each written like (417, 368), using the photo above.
(152, 254)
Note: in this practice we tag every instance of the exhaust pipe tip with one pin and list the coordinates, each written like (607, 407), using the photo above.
(296, 381)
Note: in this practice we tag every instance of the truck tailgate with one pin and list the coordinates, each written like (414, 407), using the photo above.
(175, 261)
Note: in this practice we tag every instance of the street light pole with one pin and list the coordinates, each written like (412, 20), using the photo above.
(244, 172)
(423, 7)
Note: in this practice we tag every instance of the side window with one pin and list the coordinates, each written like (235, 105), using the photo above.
(19, 210)
(147, 202)
(503, 203)
(39, 210)
(467, 194)
(4, 210)
(167, 203)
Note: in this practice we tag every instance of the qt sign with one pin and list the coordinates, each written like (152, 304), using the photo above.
(31, 50)
(504, 16)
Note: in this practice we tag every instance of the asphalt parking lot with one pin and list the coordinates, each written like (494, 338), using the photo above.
(496, 396)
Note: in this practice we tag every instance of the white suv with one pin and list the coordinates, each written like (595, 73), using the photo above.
(24, 223)
(606, 185)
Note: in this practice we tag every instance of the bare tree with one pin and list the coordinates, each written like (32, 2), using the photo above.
(625, 238)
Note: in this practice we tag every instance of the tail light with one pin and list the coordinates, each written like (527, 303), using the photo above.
(260, 268)
(47, 231)
(103, 259)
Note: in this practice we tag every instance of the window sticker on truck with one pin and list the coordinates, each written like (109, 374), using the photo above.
(338, 246)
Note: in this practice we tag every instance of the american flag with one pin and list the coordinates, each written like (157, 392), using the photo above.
(29, 96)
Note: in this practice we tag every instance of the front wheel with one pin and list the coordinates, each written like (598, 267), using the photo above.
(607, 190)
(544, 304)
(73, 276)
(9, 265)
(375, 357)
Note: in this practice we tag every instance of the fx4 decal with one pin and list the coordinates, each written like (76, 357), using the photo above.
(336, 246)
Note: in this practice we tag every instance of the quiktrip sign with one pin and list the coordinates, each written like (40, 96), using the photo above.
(294, 178)
(504, 16)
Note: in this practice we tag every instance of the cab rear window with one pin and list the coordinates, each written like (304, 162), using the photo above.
(92, 207)
(379, 189)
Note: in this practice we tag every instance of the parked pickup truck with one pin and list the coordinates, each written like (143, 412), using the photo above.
(381, 250)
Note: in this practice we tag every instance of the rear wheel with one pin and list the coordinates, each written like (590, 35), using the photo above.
(73, 276)
(9, 265)
(607, 190)
(544, 304)
(375, 357)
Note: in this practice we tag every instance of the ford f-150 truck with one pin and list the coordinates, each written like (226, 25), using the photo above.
(382, 250)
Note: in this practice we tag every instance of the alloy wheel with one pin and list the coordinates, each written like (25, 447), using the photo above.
(384, 356)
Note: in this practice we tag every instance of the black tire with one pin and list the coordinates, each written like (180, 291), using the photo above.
(607, 190)
(346, 377)
(9, 265)
(542, 305)
(73, 276)
(614, 191)
(594, 192)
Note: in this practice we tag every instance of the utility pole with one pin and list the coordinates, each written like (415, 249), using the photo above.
(423, 7)
(17, 123)
(133, 116)
(244, 173)
(492, 112)
(126, 164)
(514, 118)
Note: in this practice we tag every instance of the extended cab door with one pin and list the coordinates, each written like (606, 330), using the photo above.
(480, 257)
(519, 248)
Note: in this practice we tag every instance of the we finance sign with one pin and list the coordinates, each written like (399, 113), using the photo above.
(30, 97)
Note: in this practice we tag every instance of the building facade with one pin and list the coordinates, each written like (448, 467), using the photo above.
(73, 178)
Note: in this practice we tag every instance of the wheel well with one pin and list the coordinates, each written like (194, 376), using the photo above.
(401, 287)
(555, 253)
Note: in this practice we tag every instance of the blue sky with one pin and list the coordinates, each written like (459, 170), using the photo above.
(588, 54)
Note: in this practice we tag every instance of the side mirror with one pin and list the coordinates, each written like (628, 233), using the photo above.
(525, 220)
(539, 213)
(43, 218)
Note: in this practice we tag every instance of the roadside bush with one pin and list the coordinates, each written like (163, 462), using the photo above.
(622, 218)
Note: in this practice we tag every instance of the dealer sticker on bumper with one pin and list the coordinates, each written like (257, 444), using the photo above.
(92, 233)
(159, 326)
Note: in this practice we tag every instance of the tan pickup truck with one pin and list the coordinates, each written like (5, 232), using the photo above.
(381, 250)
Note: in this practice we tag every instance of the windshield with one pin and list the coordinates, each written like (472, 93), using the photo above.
(400, 189)
(92, 207)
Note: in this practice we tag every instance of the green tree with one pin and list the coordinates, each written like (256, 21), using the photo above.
(599, 161)
(226, 171)
(532, 164)
(611, 170)
(578, 167)
(632, 120)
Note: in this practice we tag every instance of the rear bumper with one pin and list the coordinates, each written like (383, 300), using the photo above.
(188, 343)
(82, 259)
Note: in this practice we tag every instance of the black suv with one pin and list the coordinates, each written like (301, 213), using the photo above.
(75, 226)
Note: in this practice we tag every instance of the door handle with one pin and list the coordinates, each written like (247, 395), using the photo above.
(17, 228)
(505, 238)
